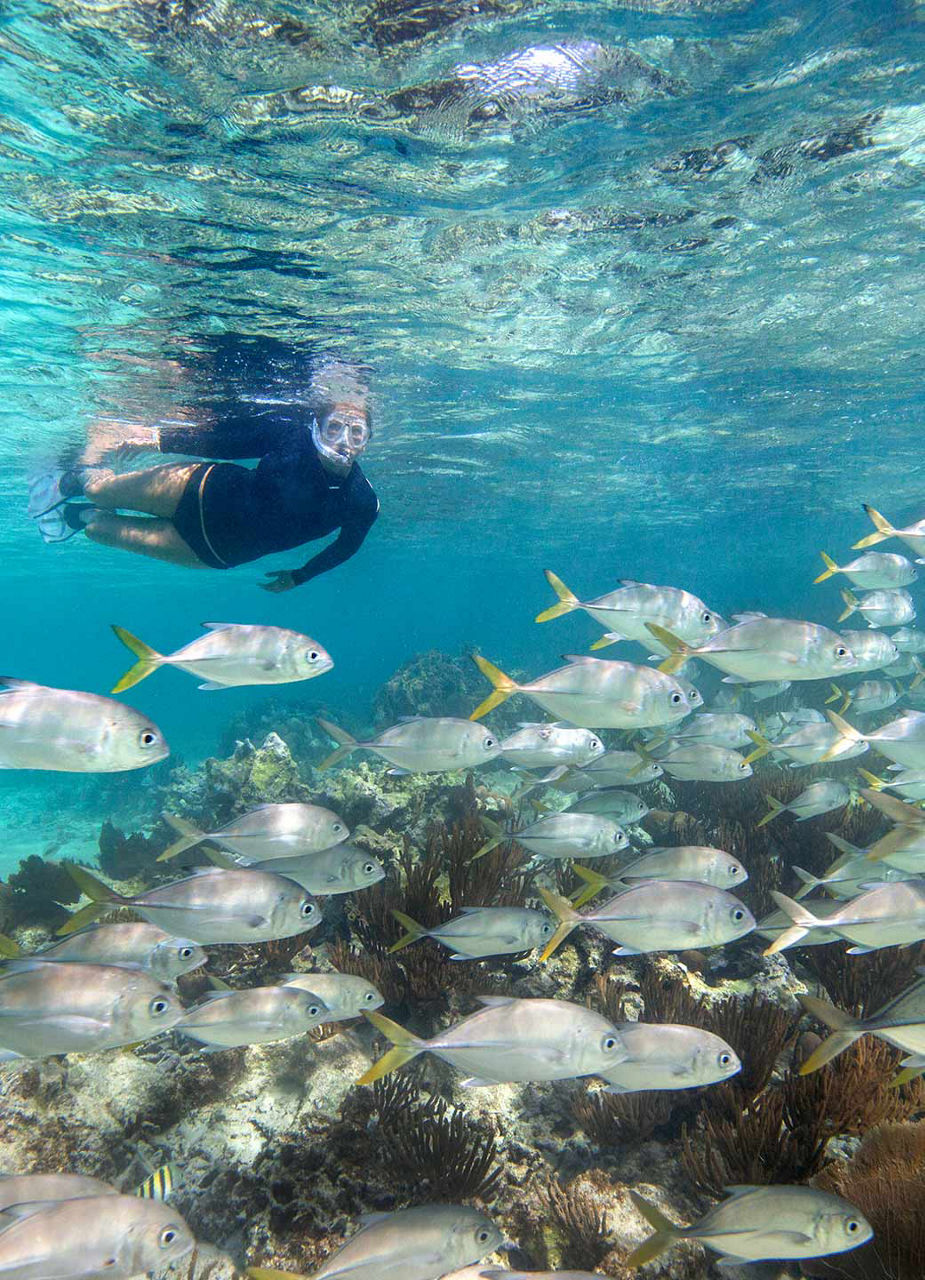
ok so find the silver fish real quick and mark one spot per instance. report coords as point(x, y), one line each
point(230, 654)
point(48, 1008)
point(482, 931)
point(879, 608)
point(626, 611)
point(30, 1188)
point(909, 784)
point(888, 915)
point(269, 831)
point(510, 1040)
point(613, 769)
point(809, 744)
point(908, 640)
point(257, 1015)
point(819, 797)
point(760, 1223)
point(543, 746)
point(901, 1023)
point(670, 1056)
point(907, 664)
point(657, 915)
point(91, 1237)
point(868, 696)
point(565, 835)
point(611, 802)
point(691, 862)
point(912, 535)
point(412, 1244)
point(212, 905)
point(766, 649)
point(776, 923)
point(128, 945)
point(702, 762)
point(764, 690)
point(342, 869)
point(850, 873)
point(344, 995)
point(595, 693)
point(873, 570)
point(872, 649)
point(716, 728)
point(69, 732)
point(421, 745)
point(902, 740)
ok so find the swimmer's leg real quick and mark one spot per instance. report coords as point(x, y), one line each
point(156, 491)
point(145, 536)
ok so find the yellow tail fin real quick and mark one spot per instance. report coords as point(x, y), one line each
point(567, 916)
point(608, 638)
point(406, 1047)
point(846, 1030)
point(666, 1233)
point(834, 695)
point(774, 808)
point(851, 604)
point(884, 530)
point(189, 834)
point(413, 931)
point(504, 686)
point(567, 601)
point(595, 882)
point(679, 651)
point(347, 743)
point(875, 783)
point(830, 569)
point(9, 949)
point(847, 733)
point(764, 748)
point(148, 660)
point(904, 1076)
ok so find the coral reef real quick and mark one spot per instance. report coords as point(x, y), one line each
point(430, 684)
point(124, 857)
point(37, 893)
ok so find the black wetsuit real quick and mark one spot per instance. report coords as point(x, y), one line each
point(230, 515)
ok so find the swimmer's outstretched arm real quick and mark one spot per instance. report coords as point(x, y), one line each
point(346, 544)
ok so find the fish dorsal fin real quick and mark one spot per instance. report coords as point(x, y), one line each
point(581, 659)
point(369, 1220)
point(221, 626)
point(495, 1002)
point(469, 911)
point(892, 807)
point(740, 1189)
point(10, 684)
point(631, 582)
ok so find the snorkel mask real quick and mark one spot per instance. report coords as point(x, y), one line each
point(340, 435)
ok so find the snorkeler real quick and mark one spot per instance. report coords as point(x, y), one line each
point(216, 514)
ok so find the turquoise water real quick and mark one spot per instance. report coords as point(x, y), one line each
point(673, 340)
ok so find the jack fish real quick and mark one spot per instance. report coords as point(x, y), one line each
point(69, 732)
point(482, 931)
point(212, 905)
point(820, 797)
point(510, 1040)
point(901, 1023)
point(879, 608)
point(765, 649)
point(230, 655)
point(48, 1008)
point(269, 831)
point(888, 915)
point(913, 535)
point(344, 995)
point(873, 570)
point(902, 740)
point(543, 746)
point(595, 693)
point(128, 945)
point(342, 869)
point(257, 1015)
point(691, 862)
point(564, 835)
point(423, 744)
point(670, 1056)
point(760, 1223)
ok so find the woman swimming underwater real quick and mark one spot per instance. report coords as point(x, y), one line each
point(217, 514)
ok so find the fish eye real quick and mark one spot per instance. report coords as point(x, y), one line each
point(369, 996)
point(158, 1006)
point(733, 870)
point(852, 1226)
point(609, 1044)
point(307, 910)
point(482, 1236)
point(147, 738)
point(312, 655)
point(725, 1059)
point(738, 915)
point(706, 616)
point(676, 698)
point(488, 742)
point(185, 953)
point(546, 930)
point(744, 765)
point(337, 827)
point(594, 744)
point(841, 651)
point(369, 868)
point(167, 1237)
point(314, 1010)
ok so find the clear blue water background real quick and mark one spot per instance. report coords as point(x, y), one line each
point(595, 348)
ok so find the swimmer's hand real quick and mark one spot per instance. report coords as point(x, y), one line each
point(279, 580)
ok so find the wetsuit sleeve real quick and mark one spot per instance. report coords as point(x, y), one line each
point(243, 432)
point(352, 534)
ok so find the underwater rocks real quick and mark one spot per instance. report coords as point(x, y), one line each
point(249, 777)
point(430, 684)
